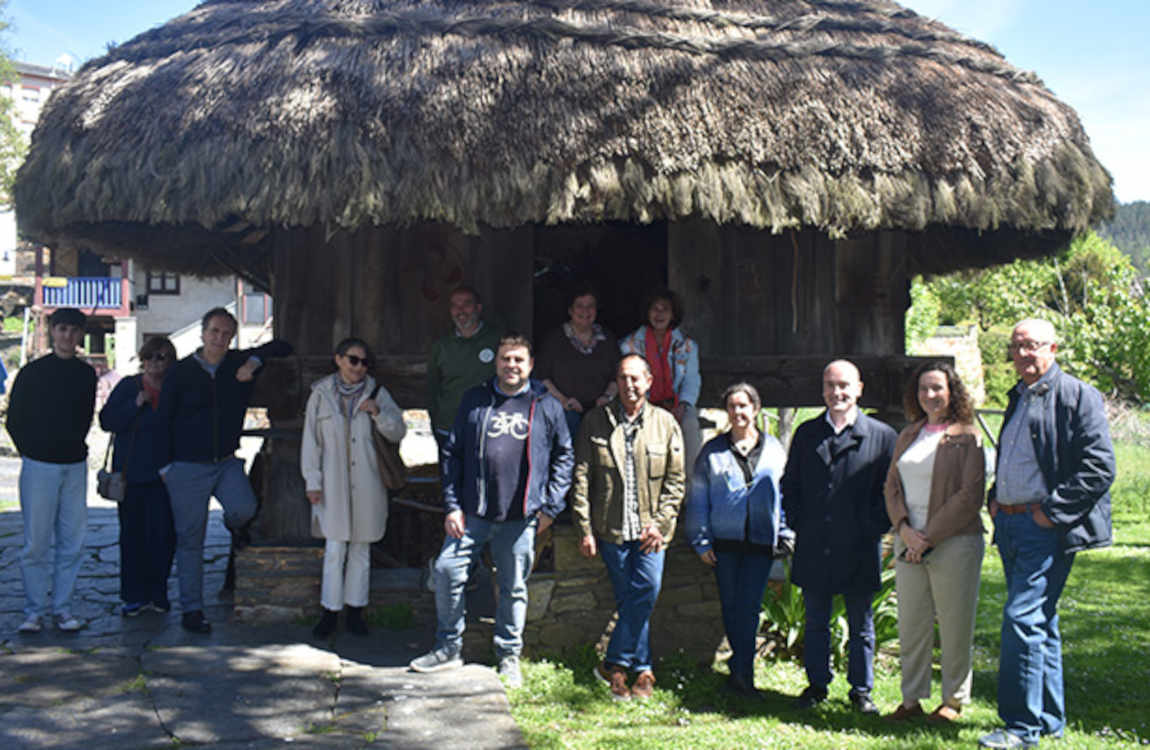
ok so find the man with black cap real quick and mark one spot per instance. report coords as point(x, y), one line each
point(49, 413)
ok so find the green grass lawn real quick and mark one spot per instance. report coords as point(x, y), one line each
point(1105, 619)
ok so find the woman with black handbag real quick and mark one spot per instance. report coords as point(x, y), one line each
point(147, 534)
point(344, 481)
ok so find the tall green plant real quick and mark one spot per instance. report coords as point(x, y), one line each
point(784, 617)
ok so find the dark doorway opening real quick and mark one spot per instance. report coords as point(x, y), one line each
point(622, 261)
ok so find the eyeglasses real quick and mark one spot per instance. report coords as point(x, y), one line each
point(1029, 347)
point(356, 361)
point(157, 356)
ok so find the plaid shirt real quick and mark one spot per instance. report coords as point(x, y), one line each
point(632, 527)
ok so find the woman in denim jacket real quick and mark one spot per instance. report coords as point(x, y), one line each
point(735, 522)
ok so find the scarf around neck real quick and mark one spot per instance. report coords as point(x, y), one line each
point(348, 394)
point(663, 385)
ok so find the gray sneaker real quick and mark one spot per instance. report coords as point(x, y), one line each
point(67, 623)
point(30, 625)
point(509, 671)
point(436, 660)
point(1000, 739)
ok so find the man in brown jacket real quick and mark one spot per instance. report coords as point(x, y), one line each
point(629, 485)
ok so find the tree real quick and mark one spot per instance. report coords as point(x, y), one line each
point(12, 145)
point(1090, 291)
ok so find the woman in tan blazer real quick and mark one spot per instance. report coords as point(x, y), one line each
point(934, 493)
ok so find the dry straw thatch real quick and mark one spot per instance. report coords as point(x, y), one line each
point(845, 115)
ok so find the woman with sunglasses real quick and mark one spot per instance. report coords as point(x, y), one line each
point(147, 533)
point(343, 480)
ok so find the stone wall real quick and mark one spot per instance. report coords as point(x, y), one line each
point(569, 607)
point(960, 342)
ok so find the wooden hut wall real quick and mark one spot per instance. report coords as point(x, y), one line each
point(390, 287)
point(775, 308)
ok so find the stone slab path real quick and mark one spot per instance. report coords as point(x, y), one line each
point(144, 682)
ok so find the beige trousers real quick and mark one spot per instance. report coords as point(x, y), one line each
point(943, 586)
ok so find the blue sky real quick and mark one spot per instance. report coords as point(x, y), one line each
point(1093, 55)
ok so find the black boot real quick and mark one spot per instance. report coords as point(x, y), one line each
point(355, 623)
point(326, 625)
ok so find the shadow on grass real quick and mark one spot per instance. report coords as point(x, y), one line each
point(1106, 645)
point(687, 691)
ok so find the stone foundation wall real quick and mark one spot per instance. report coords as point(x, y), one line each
point(571, 606)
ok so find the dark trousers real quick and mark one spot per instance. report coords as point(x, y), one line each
point(742, 579)
point(147, 543)
point(860, 644)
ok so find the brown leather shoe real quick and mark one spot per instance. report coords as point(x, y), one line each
point(644, 686)
point(615, 678)
point(902, 713)
point(944, 714)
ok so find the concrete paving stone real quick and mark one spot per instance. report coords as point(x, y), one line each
point(209, 695)
point(443, 710)
point(30, 676)
point(124, 721)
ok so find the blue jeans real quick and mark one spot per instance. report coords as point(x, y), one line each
point(636, 577)
point(742, 580)
point(1030, 694)
point(513, 552)
point(860, 643)
point(191, 486)
point(54, 503)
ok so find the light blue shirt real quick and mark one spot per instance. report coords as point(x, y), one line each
point(1018, 474)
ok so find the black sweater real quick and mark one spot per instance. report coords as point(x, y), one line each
point(205, 414)
point(50, 409)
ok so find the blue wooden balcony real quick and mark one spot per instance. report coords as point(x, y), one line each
point(86, 293)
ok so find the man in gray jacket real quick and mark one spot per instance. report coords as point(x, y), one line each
point(1050, 500)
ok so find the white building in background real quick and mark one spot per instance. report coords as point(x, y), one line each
point(171, 304)
point(28, 92)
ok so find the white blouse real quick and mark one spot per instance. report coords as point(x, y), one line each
point(915, 467)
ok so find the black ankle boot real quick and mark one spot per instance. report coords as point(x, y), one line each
point(355, 623)
point(326, 625)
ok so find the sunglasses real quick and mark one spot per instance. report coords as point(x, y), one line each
point(158, 357)
point(356, 361)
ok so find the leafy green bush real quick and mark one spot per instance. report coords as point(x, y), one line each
point(785, 616)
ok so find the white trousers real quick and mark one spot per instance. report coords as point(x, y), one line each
point(345, 583)
point(944, 585)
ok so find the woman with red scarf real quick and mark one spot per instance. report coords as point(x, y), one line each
point(147, 533)
point(674, 360)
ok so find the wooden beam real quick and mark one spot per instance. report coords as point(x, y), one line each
point(796, 380)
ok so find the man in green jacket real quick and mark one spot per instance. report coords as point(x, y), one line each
point(629, 485)
point(460, 360)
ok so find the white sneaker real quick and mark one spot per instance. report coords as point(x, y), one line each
point(68, 623)
point(510, 672)
point(31, 625)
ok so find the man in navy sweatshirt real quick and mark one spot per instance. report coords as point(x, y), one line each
point(204, 400)
point(506, 469)
point(49, 413)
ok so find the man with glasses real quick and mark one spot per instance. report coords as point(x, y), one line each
point(204, 400)
point(1050, 500)
point(49, 413)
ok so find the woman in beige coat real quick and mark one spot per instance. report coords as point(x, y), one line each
point(343, 480)
point(934, 492)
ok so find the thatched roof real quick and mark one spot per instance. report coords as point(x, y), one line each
point(845, 115)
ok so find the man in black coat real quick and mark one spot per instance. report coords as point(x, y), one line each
point(204, 400)
point(833, 498)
